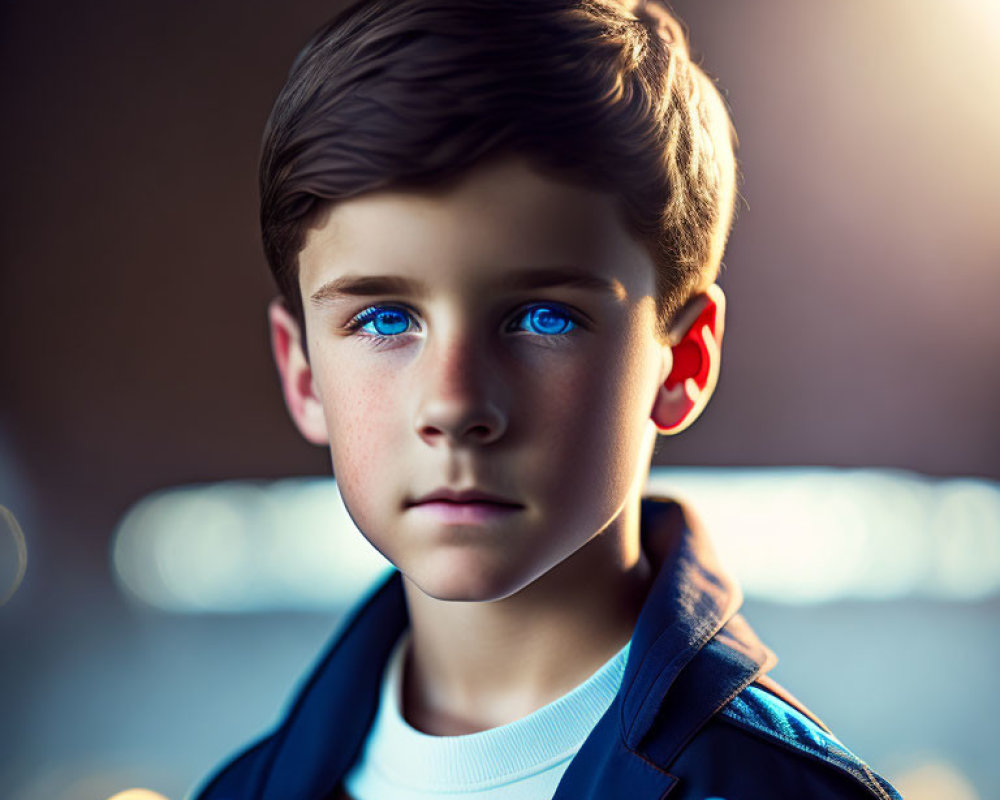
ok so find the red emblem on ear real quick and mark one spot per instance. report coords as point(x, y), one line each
point(689, 352)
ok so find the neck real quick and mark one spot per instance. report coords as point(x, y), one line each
point(477, 665)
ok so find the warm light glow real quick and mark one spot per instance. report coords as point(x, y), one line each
point(137, 794)
point(813, 534)
point(789, 535)
point(935, 780)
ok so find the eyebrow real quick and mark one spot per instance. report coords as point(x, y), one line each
point(373, 285)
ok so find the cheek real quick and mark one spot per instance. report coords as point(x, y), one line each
point(592, 418)
point(605, 398)
point(362, 418)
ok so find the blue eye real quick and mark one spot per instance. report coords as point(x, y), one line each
point(383, 321)
point(546, 320)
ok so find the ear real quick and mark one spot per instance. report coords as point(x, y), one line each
point(694, 341)
point(303, 401)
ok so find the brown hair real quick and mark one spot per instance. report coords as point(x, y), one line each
point(412, 93)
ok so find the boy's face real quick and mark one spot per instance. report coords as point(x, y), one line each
point(506, 344)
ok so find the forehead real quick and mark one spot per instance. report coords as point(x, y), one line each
point(497, 222)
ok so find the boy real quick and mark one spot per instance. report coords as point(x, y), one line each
point(496, 227)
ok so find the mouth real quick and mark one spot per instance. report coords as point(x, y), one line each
point(471, 513)
point(463, 507)
point(464, 497)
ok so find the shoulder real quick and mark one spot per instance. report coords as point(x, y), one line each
point(773, 748)
point(331, 711)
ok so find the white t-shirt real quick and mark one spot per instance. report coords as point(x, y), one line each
point(523, 760)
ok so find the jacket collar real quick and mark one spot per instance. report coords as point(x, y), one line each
point(692, 601)
point(687, 632)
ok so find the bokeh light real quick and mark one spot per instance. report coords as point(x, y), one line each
point(13, 555)
point(818, 534)
point(236, 547)
point(789, 534)
point(137, 794)
point(935, 779)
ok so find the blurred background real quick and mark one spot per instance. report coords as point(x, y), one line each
point(158, 629)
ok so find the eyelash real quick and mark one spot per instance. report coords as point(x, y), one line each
point(369, 314)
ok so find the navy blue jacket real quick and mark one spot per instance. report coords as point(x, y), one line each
point(695, 716)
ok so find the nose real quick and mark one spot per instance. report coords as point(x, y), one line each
point(460, 397)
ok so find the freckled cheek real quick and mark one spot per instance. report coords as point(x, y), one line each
point(363, 418)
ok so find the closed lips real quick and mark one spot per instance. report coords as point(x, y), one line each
point(470, 502)
point(464, 498)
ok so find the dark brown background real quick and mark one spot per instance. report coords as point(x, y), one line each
point(862, 275)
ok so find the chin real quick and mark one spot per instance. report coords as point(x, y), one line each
point(453, 580)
